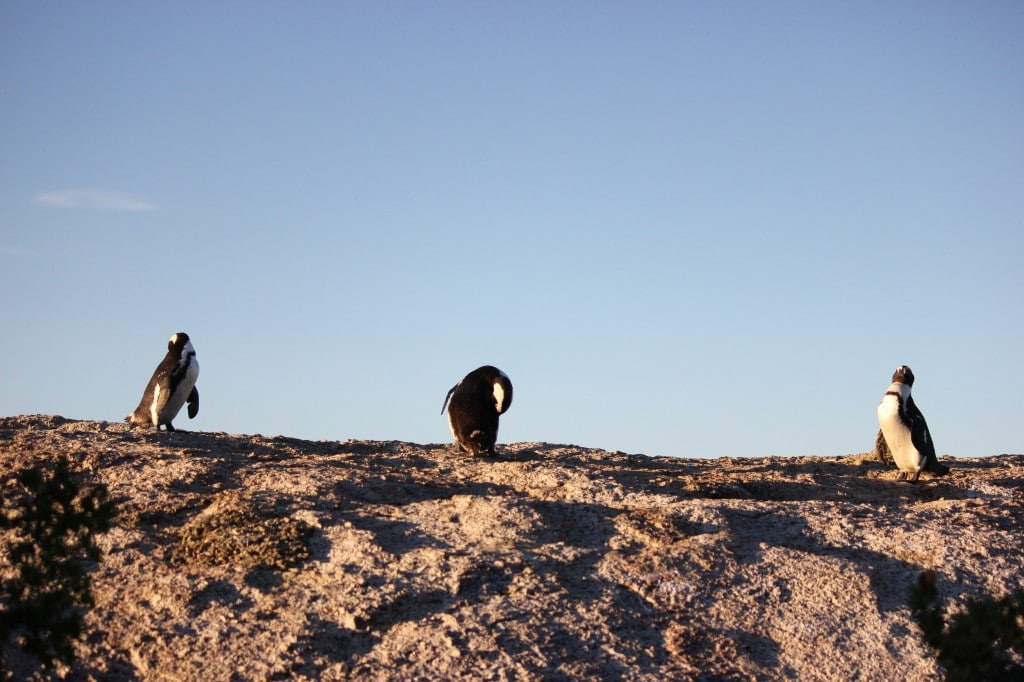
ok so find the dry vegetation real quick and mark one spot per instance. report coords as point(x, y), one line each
point(255, 558)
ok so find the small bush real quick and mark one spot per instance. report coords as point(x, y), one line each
point(241, 533)
point(975, 644)
point(54, 523)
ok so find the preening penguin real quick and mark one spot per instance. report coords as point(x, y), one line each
point(474, 405)
point(905, 431)
point(172, 384)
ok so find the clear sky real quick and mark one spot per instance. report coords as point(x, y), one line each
point(681, 228)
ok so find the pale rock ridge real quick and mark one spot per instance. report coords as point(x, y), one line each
point(550, 561)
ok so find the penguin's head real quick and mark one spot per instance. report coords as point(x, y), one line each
point(502, 392)
point(180, 346)
point(903, 375)
point(177, 341)
point(501, 386)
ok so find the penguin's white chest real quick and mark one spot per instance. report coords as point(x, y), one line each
point(897, 436)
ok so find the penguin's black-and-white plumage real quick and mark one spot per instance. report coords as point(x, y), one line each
point(171, 386)
point(474, 405)
point(905, 431)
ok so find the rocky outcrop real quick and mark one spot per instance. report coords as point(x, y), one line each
point(255, 558)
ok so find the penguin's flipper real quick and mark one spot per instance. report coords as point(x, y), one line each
point(157, 399)
point(921, 437)
point(448, 397)
point(931, 460)
point(193, 403)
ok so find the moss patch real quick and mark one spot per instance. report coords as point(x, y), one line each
point(239, 532)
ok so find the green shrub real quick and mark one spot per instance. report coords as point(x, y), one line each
point(975, 644)
point(53, 524)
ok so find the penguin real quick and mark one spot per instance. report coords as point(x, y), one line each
point(172, 384)
point(881, 450)
point(474, 405)
point(905, 431)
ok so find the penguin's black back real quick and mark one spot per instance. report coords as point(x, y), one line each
point(474, 407)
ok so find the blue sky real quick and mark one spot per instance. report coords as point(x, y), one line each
point(682, 228)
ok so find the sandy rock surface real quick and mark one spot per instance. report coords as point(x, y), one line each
point(253, 558)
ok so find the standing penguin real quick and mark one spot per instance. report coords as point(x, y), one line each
point(474, 405)
point(172, 384)
point(905, 431)
point(881, 450)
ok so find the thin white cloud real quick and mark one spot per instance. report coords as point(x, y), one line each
point(99, 200)
point(14, 251)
